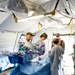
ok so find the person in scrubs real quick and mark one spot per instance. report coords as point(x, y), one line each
point(27, 41)
point(55, 55)
point(61, 42)
point(40, 44)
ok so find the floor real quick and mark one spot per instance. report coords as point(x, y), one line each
point(7, 72)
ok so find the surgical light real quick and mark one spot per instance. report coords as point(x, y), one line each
point(31, 13)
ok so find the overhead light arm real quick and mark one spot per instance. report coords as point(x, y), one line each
point(2, 11)
point(53, 12)
point(15, 18)
point(69, 22)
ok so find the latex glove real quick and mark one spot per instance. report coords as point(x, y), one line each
point(35, 59)
point(41, 56)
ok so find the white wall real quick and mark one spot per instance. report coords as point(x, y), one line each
point(7, 41)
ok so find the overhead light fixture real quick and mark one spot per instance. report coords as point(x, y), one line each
point(40, 16)
point(31, 18)
point(31, 13)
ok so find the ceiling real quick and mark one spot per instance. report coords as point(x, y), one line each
point(39, 6)
point(49, 12)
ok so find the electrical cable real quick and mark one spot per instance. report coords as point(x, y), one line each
point(65, 15)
